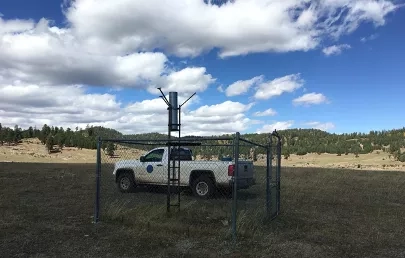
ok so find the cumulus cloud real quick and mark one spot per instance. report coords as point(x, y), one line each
point(235, 27)
point(335, 49)
point(15, 26)
point(242, 86)
point(267, 112)
point(278, 86)
point(280, 125)
point(310, 99)
point(29, 105)
point(321, 126)
point(223, 109)
point(71, 106)
point(45, 55)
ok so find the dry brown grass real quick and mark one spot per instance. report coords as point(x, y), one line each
point(47, 212)
point(377, 160)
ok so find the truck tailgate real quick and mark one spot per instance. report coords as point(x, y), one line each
point(245, 169)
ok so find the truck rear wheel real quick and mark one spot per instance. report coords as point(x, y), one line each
point(203, 187)
point(126, 182)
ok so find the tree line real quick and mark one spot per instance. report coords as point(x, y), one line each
point(294, 141)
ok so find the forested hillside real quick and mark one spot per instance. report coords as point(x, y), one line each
point(295, 141)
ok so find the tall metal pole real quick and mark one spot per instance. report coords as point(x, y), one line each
point(98, 177)
point(235, 185)
point(172, 104)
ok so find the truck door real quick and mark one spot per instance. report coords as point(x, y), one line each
point(152, 168)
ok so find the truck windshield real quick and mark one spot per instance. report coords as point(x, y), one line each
point(182, 154)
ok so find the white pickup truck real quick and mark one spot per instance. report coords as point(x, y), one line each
point(203, 177)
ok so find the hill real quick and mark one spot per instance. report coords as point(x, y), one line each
point(295, 141)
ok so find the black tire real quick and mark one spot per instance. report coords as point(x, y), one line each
point(126, 182)
point(203, 187)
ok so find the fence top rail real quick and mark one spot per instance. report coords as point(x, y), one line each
point(253, 143)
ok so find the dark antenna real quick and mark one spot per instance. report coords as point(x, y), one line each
point(163, 97)
point(188, 99)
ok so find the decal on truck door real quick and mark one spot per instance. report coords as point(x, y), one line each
point(149, 169)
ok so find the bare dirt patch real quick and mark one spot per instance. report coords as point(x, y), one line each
point(31, 150)
point(377, 160)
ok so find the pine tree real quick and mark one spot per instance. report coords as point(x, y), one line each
point(110, 149)
point(49, 143)
point(30, 132)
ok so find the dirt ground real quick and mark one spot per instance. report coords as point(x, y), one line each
point(46, 210)
point(31, 150)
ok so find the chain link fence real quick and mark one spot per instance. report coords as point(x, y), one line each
point(194, 185)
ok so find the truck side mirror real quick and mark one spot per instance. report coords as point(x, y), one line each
point(142, 159)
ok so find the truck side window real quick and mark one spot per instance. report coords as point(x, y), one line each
point(155, 156)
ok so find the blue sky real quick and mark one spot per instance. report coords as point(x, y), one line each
point(353, 69)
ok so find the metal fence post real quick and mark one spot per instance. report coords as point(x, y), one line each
point(278, 174)
point(235, 180)
point(268, 178)
point(98, 177)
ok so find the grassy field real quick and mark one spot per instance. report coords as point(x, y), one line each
point(47, 209)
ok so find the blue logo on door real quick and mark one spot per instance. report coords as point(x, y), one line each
point(149, 168)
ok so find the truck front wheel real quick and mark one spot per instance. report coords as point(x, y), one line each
point(203, 187)
point(126, 182)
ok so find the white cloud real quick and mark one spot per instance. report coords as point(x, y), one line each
point(15, 26)
point(371, 37)
point(310, 99)
point(185, 82)
point(33, 105)
point(224, 109)
point(242, 86)
point(280, 125)
point(45, 55)
point(335, 49)
point(220, 88)
point(267, 112)
point(321, 126)
point(278, 86)
point(235, 28)
point(29, 105)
